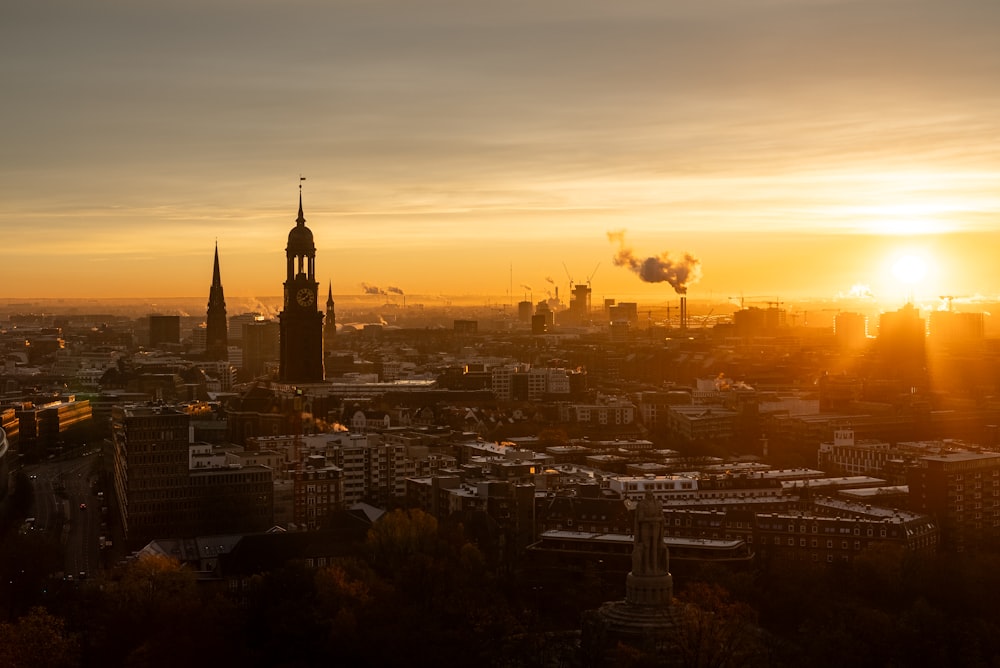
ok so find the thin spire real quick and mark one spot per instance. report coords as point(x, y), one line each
point(301, 220)
point(216, 275)
point(329, 295)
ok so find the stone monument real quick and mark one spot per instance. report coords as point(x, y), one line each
point(648, 618)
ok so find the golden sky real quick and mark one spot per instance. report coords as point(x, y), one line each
point(794, 147)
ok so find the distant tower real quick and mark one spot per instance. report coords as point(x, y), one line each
point(300, 322)
point(330, 328)
point(216, 330)
point(579, 302)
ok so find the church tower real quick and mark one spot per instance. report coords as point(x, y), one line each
point(216, 328)
point(300, 322)
point(330, 327)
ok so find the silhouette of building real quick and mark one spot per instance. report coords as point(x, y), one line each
point(216, 329)
point(164, 330)
point(901, 345)
point(330, 326)
point(150, 466)
point(524, 311)
point(851, 330)
point(164, 487)
point(301, 323)
point(579, 304)
point(956, 329)
point(261, 348)
point(961, 490)
point(466, 326)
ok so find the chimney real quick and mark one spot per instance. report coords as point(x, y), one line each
point(684, 311)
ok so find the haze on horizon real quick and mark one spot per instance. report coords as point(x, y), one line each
point(793, 147)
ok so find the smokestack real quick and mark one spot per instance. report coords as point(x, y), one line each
point(684, 312)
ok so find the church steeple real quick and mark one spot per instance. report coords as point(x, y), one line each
point(301, 323)
point(330, 326)
point(216, 274)
point(216, 325)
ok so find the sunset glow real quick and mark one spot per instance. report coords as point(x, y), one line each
point(468, 148)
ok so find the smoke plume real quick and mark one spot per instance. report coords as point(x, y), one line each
point(371, 289)
point(657, 269)
point(395, 291)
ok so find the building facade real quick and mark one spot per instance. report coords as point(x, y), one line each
point(961, 490)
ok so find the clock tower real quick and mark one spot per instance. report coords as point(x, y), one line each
point(300, 321)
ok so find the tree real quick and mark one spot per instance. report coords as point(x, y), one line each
point(401, 535)
point(715, 631)
point(38, 639)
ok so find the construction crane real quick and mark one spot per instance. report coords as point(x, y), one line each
point(764, 299)
point(592, 273)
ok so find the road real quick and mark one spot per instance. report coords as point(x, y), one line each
point(65, 502)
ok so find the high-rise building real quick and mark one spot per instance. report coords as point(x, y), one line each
point(216, 331)
point(579, 303)
point(261, 348)
point(961, 490)
point(150, 467)
point(164, 330)
point(851, 330)
point(167, 487)
point(301, 323)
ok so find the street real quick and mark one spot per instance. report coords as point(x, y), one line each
point(66, 504)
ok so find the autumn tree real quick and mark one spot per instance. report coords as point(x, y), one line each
point(716, 631)
point(400, 536)
point(38, 639)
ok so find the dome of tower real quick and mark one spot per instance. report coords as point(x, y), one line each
point(300, 241)
point(300, 238)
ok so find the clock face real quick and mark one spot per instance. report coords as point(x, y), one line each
point(304, 297)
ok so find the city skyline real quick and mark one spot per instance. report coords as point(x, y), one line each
point(790, 148)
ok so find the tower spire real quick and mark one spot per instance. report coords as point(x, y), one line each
point(216, 275)
point(330, 326)
point(301, 220)
point(216, 326)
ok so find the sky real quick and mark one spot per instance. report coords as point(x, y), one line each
point(454, 147)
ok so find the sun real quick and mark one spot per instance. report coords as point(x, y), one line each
point(910, 268)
